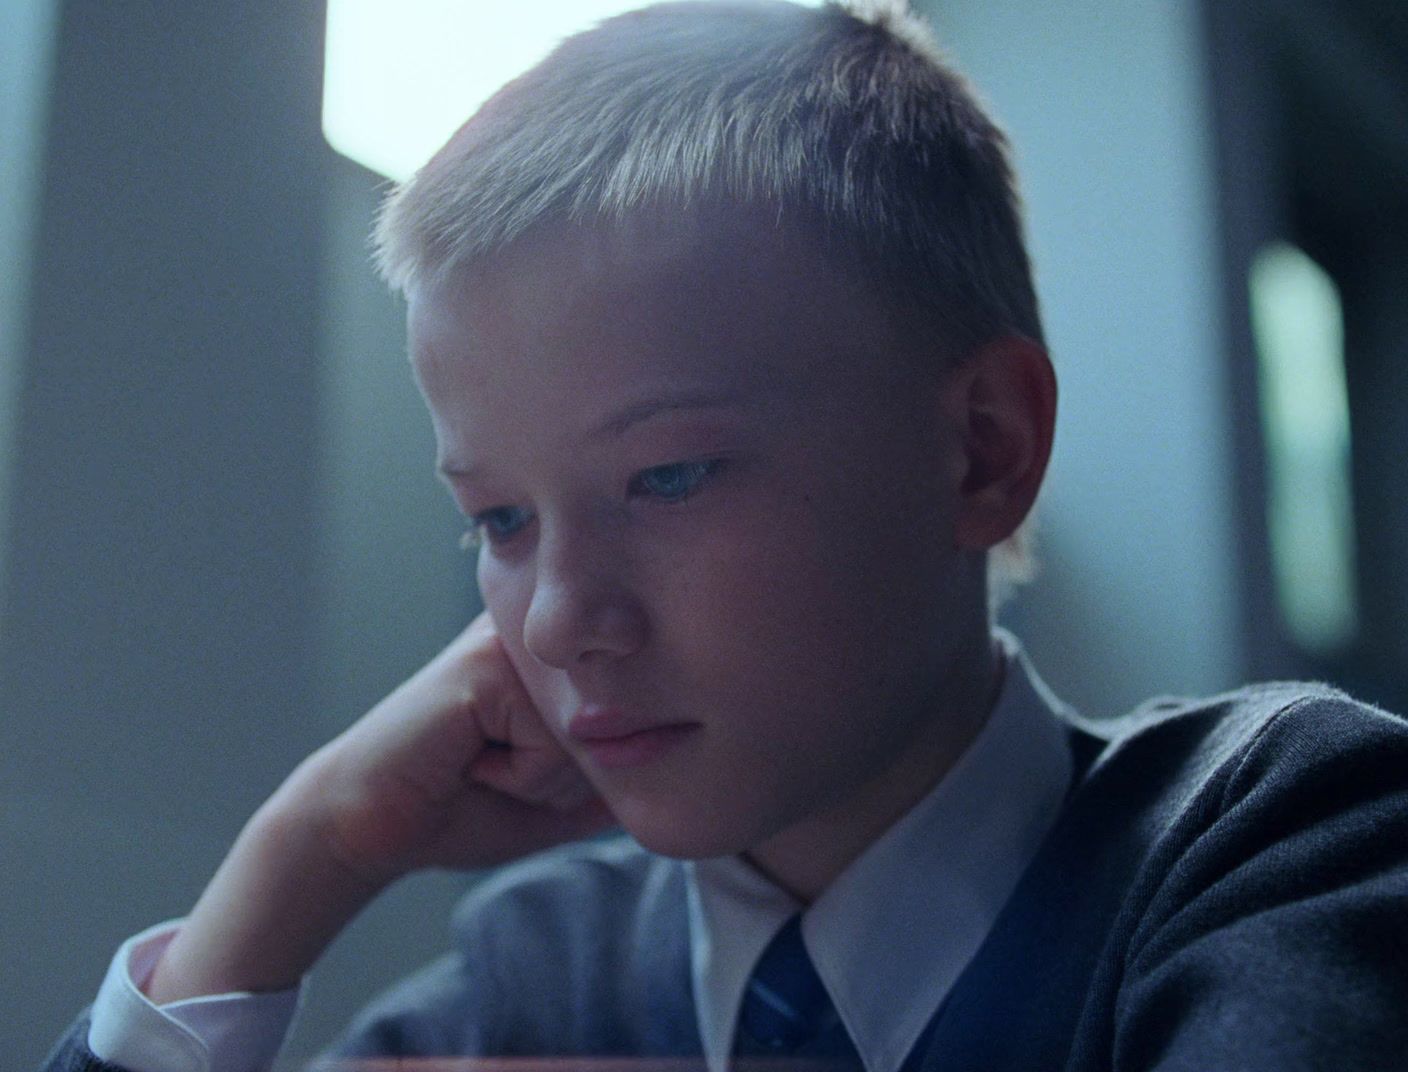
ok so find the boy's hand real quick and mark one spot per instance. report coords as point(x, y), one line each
point(453, 769)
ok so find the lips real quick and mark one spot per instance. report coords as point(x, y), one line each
point(614, 739)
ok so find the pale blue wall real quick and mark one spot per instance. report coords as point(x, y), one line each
point(1106, 106)
point(158, 632)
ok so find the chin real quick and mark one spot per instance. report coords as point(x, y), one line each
point(692, 837)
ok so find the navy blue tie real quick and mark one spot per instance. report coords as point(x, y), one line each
point(786, 1010)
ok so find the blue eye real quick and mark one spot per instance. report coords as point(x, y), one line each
point(494, 526)
point(676, 482)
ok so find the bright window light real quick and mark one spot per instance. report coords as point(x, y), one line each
point(1299, 332)
point(400, 76)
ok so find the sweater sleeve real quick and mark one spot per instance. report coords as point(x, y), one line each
point(1278, 936)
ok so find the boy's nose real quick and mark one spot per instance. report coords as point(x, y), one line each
point(580, 609)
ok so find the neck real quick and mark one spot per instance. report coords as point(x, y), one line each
point(807, 856)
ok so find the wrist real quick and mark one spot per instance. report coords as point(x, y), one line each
point(277, 901)
point(333, 808)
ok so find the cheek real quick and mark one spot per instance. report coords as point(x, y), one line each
point(496, 589)
point(506, 593)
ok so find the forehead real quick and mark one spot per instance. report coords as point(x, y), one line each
point(704, 294)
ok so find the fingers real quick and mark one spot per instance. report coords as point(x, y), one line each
point(505, 711)
point(458, 768)
point(522, 757)
point(546, 775)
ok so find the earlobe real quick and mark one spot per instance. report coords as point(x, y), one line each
point(1005, 398)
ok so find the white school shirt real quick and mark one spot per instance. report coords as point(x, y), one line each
point(920, 900)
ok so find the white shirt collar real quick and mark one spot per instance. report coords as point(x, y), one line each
point(891, 935)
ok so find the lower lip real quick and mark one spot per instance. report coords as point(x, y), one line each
point(636, 749)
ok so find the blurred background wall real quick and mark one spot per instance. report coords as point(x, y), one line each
point(1106, 105)
point(221, 540)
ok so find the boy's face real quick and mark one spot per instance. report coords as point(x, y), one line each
point(717, 507)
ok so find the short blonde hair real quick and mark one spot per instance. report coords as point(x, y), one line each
point(844, 118)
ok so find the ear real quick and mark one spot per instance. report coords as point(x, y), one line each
point(1003, 400)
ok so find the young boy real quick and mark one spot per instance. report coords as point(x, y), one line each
point(727, 331)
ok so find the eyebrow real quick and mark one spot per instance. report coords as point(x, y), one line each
point(619, 423)
point(634, 414)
